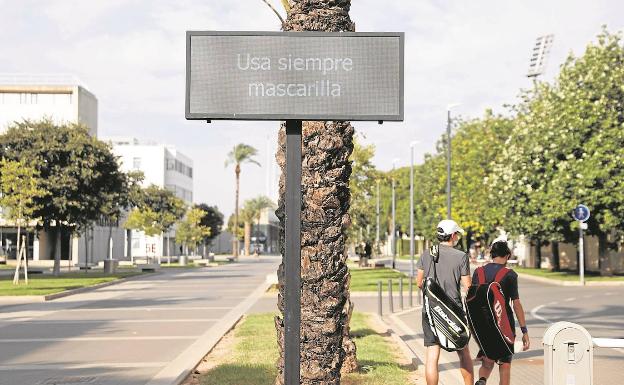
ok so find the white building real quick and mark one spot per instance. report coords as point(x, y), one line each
point(63, 99)
point(165, 167)
point(58, 97)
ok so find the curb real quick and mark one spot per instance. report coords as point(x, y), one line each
point(181, 367)
point(446, 377)
point(26, 299)
point(417, 362)
point(568, 283)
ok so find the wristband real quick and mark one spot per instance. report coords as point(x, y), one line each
point(524, 329)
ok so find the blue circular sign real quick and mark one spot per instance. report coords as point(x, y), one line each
point(581, 213)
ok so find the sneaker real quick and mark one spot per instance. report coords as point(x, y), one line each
point(480, 382)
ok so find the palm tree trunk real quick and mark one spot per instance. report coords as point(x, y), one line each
point(247, 237)
point(325, 304)
point(326, 348)
point(235, 235)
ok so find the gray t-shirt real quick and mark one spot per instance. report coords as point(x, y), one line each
point(451, 266)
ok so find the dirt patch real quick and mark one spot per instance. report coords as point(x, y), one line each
point(217, 356)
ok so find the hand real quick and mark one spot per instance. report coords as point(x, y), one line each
point(526, 342)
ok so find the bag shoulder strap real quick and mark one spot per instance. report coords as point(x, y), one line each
point(481, 275)
point(501, 274)
point(434, 253)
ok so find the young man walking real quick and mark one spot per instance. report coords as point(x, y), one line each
point(501, 253)
point(452, 268)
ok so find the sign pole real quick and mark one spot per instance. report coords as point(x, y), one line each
point(292, 260)
point(581, 254)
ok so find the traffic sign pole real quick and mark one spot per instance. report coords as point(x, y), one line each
point(581, 253)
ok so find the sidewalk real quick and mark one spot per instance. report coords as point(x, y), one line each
point(527, 368)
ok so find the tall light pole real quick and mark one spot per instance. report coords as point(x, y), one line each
point(412, 145)
point(394, 162)
point(377, 235)
point(448, 159)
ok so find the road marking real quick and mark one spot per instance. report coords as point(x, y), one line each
point(536, 316)
point(77, 339)
point(65, 366)
point(570, 299)
point(150, 308)
point(60, 321)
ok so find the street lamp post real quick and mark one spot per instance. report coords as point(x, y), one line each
point(448, 159)
point(412, 145)
point(393, 217)
point(377, 235)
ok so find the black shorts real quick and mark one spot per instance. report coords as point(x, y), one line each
point(504, 360)
point(430, 338)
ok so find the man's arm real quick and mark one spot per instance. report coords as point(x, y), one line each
point(519, 310)
point(466, 282)
point(420, 277)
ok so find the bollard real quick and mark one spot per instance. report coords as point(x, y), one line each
point(379, 304)
point(390, 304)
point(401, 292)
point(411, 292)
point(568, 355)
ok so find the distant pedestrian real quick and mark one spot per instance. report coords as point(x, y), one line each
point(452, 268)
point(500, 253)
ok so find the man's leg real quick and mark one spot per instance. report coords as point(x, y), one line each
point(465, 366)
point(431, 366)
point(504, 371)
point(486, 368)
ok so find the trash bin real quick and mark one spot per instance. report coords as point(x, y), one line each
point(182, 260)
point(568, 355)
point(110, 265)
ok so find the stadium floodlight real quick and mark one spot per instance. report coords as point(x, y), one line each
point(539, 55)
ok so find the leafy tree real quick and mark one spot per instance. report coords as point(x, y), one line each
point(190, 231)
point(157, 211)
point(213, 219)
point(19, 188)
point(363, 186)
point(241, 153)
point(77, 170)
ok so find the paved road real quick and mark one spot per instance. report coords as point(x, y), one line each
point(125, 334)
point(599, 309)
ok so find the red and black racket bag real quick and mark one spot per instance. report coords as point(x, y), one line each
point(487, 316)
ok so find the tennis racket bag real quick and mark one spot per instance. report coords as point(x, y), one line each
point(487, 316)
point(446, 318)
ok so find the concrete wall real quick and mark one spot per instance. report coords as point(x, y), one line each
point(98, 244)
point(86, 111)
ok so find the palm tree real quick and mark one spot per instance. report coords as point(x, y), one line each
point(259, 204)
point(252, 210)
point(326, 347)
point(241, 153)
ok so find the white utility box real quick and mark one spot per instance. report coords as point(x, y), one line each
point(568, 355)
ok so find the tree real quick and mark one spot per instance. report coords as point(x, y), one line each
point(213, 219)
point(157, 212)
point(241, 153)
point(77, 170)
point(190, 231)
point(247, 215)
point(19, 188)
point(363, 187)
point(259, 204)
point(326, 347)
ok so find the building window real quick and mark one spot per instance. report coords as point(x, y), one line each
point(136, 163)
point(170, 164)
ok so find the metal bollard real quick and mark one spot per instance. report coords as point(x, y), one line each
point(391, 305)
point(411, 292)
point(379, 304)
point(401, 293)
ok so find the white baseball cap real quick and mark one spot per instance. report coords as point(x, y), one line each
point(449, 227)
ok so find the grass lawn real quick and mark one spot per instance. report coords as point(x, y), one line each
point(407, 257)
point(47, 284)
point(565, 275)
point(366, 279)
point(252, 361)
point(189, 265)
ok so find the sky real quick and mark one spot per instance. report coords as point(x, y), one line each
point(131, 55)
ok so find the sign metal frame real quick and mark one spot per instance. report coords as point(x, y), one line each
point(310, 117)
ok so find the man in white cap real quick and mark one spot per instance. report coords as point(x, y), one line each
point(452, 268)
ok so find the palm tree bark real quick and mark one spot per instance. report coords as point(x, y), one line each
point(326, 348)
